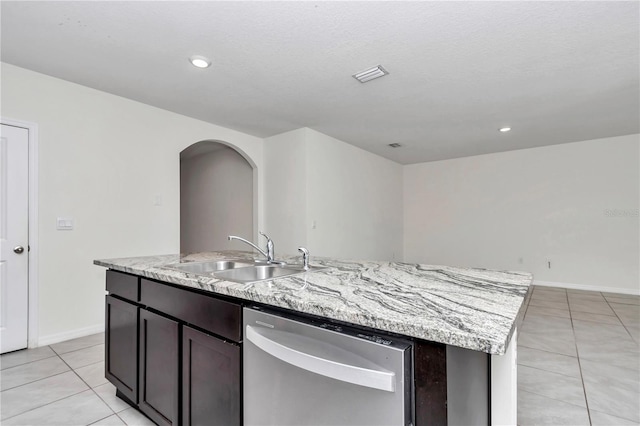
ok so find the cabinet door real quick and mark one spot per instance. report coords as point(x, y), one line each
point(121, 346)
point(159, 366)
point(210, 380)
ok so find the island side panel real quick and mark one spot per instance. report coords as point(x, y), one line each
point(430, 376)
point(504, 385)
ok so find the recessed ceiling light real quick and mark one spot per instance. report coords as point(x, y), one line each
point(370, 74)
point(200, 61)
point(505, 129)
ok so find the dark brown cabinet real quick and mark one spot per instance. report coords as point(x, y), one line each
point(121, 346)
point(174, 353)
point(210, 380)
point(159, 366)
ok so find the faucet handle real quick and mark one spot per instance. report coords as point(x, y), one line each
point(305, 258)
point(270, 250)
point(264, 235)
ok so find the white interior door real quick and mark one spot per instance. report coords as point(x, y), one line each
point(14, 237)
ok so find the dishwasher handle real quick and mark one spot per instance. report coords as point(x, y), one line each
point(358, 375)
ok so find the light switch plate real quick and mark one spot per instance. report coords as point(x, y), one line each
point(64, 224)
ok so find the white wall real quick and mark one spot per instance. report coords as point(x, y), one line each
point(540, 204)
point(286, 191)
point(354, 199)
point(352, 196)
point(103, 160)
point(216, 200)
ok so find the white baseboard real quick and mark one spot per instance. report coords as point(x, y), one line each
point(603, 289)
point(67, 335)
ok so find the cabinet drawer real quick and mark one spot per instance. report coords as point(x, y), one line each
point(211, 314)
point(123, 285)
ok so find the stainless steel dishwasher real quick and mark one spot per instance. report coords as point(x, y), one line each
point(317, 373)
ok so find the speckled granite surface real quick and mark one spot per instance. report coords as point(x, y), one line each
point(470, 308)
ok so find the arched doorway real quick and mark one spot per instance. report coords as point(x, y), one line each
point(216, 197)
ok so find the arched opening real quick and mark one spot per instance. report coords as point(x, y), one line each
point(216, 197)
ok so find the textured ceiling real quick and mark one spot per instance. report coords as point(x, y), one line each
point(554, 71)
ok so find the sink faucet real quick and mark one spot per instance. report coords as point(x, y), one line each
point(305, 258)
point(267, 254)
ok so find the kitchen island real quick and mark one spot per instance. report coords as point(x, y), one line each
point(458, 317)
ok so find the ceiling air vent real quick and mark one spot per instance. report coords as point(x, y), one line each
point(395, 145)
point(370, 74)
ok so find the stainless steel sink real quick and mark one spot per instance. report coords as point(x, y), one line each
point(261, 273)
point(208, 268)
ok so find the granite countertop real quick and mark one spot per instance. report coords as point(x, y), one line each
point(474, 309)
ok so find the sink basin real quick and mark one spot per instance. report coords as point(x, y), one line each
point(260, 273)
point(207, 268)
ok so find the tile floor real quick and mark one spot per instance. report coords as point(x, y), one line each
point(578, 364)
point(579, 359)
point(61, 384)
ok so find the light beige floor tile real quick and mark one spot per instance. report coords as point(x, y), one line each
point(634, 331)
point(628, 314)
point(27, 373)
point(607, 294)
point(537, 410)
point(543, 289)
point(92, 374)
point(547, 324)
point(107, 393)
point(82, 357)
point(133, 417)
point(555, 363)
point(602, 419)
point(587, 297)
point(538, 310)
point(24, 356)
point(590, 306)
point(549, 295)
point(588, 331)
point(546, 303)
point(36, 394)
point(586, 292)
point(612, 390)
point(586, 316)
point(621, 353)
point(112, 420)
point(552, 385)
point(79, 343)
point(79, 409)
point(624, 300)
point(560, 343)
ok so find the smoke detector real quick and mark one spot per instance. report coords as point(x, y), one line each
point(370, 74)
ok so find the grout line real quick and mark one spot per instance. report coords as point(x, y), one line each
point(76, 350)
point(28, 362)
point(620, 319)
point(584, 388)
point(549, 352)
point(36, 380)
point(121, 419)
point(548, 371)
point(105, 402)
point(555, 399)
point(44, 405)
point(90, 387)
point(99, 420)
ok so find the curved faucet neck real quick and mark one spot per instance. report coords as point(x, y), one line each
point(262, 252)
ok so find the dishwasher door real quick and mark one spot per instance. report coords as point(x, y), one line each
point(297, 373)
